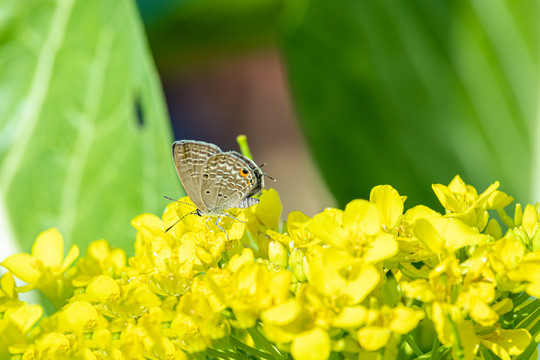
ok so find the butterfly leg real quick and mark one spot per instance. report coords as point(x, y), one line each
point(222, 229)
point(232, 217)
point(208, 226)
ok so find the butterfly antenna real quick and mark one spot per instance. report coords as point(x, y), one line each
point(265, 174)
point(181, 202)
point(177, 221)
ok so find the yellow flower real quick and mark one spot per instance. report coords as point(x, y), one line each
point(248, 288)
point(438, 234)
point(80, 316)
point(196, 324)
point(299, 320)
point(54, 346)
point(8, 294)
point(311, 345)
point(380, 324)
point(45, 268)
point(506, 343)
point(359, 233)
point(463, 202)
point(261, 219)
point(389, 203)
point(14, 327)
point(528, 271)
point(100, 259)
point(343, 279)
point(121, 300)
point(297, 230)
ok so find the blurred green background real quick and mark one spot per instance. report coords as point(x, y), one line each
point(400, 92)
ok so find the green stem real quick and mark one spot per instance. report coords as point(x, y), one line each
point(250, 350)
point(430, 355)
point(259, 338)
point(224, 354)
point(413, 345)
point(244, 147)
point(529, 320)
point(519, 298)
point(460, 354)
point(526, 310)
point(435, 348)
point(486, 354)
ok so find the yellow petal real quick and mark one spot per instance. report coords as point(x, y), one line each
point(506, 343)
point(383, 247)
point(312, 345)
point(269, 209)
point(503, 306)
point(405, 319)
point(363, 280)
point(326, 228)
point(104, 289)
point(24, 266)
point(457, 185)
point(373, 338)
point(72, 255)
point(389, 204)
point(54, 343)
point(238, 260)
point(494, 229)
point(24, 317)
point(49, 248)
point(446, 198)
point(296, 225)
point(350, 317)
point(498, 200)
point(362, 216)
point(148, 221)
point(282, 314)
point(530, 220)
point(7, 285)
point(457, 234)
point(80, 316)
point(428, 236)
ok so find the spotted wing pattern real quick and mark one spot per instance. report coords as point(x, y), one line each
point(189, 158)
point(226, 182)
point(257, 172)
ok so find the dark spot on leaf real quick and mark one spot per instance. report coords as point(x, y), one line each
point(139, 113)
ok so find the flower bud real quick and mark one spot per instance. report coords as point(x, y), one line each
point(277, 254)
point(296, 263)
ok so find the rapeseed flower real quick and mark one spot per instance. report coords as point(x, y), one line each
point(371, 281)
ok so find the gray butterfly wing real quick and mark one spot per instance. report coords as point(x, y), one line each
point(257, 172)
point(226, 182)
point(189, 158)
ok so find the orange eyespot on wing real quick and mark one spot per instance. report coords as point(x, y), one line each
point(244, 173)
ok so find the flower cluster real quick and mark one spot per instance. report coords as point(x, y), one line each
point(369, 281)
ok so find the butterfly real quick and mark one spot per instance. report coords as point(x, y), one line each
point(216, 181)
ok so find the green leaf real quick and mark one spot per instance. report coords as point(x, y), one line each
point(84, 134)
point(411, 93)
